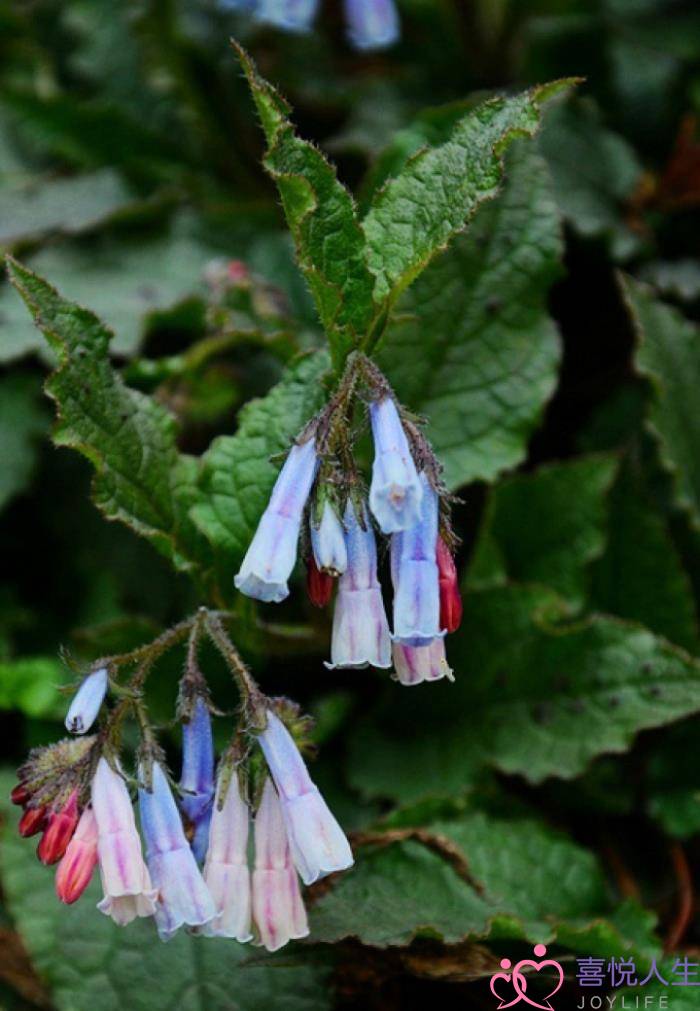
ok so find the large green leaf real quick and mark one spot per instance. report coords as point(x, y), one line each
point(668, 353)
point(546, 527)
point(237, 470)
point(141, 479)
point(417, 212)
point(89, 962)
point(530, 697)
point(322, 219)
point(472, 345)
point(409, 888)
point(22, 421)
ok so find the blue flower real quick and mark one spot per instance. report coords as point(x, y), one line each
point(197, 779)
point(87, 701)
point(414, 573)
point(372, 24)
point(272, 553)
point(395, 492)
point(290, 15)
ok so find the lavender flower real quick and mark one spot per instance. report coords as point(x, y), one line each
point(183, 897)
point(125, 879)
point(395, 493)
point(226, 869)
point(318, 844)
point(197, 779)
point(360, 628)
point(87, 701)
point(290, 15)
point(278, 909)
point(272, 553)
point(414, 573)
point(372, 24)
point(328, 542)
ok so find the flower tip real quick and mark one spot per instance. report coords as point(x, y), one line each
point(319, 585)
point(32, 821)
point(20, 795)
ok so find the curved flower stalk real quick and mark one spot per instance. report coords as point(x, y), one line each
point(226, 871)
point(183, 897)
point(318, 844)
point(270, 558)
point(360, 627)
point(278, 909)
point(87, 702)
point(125, 878)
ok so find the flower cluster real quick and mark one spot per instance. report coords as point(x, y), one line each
point(371, 24)
point(192, 869)
point(318, 489)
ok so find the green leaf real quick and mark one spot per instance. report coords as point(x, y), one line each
point(546, 527)
point(472, 345)
point(530, 697)
point(416, 213)
point(668, 353)
point(39, 205)
point(22, 422)
point(322, 219)
point(88, 961)
point(640, 576)
point(29, 683)
point(405, 889)
point(595, 173)
point(237, 471)
point(672, 785)
point(141, 479)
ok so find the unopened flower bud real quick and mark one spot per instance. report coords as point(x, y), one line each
point(328, 542)
point(395, 492)
point(450, 597)
point(32, 821)
point(87, 701)
point(75, 870)
point(59, 831)
point(20, 795)
point(319, 585)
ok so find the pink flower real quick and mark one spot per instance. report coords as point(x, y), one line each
point(125, 878)
point(75, 870)
point(415, 664)
point(226, 868)
point(278, 909)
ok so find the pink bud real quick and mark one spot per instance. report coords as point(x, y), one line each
point(59, 831)
point(75, 869)
point(32, 821)
point(450, 598)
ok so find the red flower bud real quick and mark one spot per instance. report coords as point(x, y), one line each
point(75, 869)
point(32, 821)
point(59, 831)
point(450, 598)
point(319, 585)
point(20, 795)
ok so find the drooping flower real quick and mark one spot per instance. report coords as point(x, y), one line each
point(360, 627)
point(87, 701)
point(414, 664)
point(75, 870)
point(319, 585)
point(395, 492)
point(414, 573)
point(328, 542)
point(291, 15)
point(270, 558)
point(372, 24)
point(183, 897)
point(59, 831)
point(450, 597)
point(226, 868)
point(197, 779)
point(125, 878)
point(317, 842)
point(278, 909)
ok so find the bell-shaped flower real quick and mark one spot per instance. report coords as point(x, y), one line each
point(183, 897)
point(272, 553)
point(128, 891)
point(328, 542)
point(59, 831)
point(87, 701)
point(395, 492)
point(291, 15)
point(278, 909)
point(414, 573)
point(414, 664)
point(360, 627)
point(226, 868)
point(197, 778)
point(317, 842)
point(372, 24)
point(75, 870)
point(450, 597)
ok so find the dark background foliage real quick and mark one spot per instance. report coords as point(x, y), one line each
point(555, 350)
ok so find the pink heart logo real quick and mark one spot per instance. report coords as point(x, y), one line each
point(518, 981)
